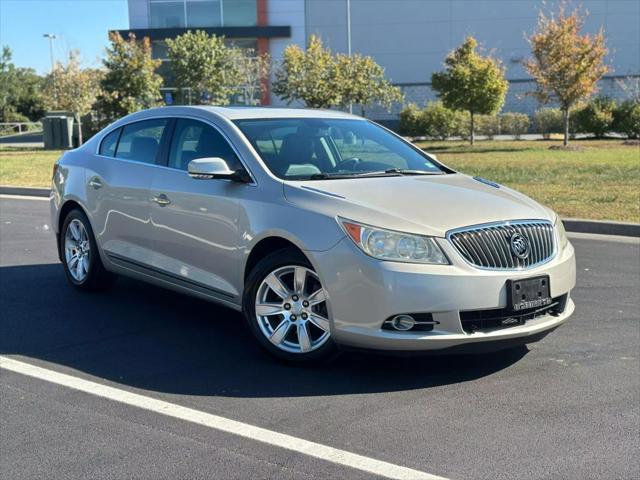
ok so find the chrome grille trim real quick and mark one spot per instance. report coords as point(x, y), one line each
point(488, 247)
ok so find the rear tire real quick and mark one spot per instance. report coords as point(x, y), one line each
point(285, 307)
point(80, 257)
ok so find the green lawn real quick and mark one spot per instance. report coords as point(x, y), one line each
point(600, 181)
point(26, 167)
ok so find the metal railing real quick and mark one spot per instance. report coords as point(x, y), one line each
point(12, 128)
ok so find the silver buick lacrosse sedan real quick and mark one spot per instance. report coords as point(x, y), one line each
point(324, 229)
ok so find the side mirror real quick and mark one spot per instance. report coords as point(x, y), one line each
point(215, 168)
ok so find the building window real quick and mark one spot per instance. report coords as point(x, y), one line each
point(203, 13)
point(160, 50)
point(167, 14)
point(240, 13)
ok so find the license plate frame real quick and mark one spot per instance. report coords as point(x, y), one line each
point(528, 293)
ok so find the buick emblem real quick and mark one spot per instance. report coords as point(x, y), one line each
point(520, 246)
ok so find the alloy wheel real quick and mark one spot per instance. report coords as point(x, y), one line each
point(291, 309)
point(77, 250)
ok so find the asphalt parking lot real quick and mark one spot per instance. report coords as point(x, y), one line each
point(567, 407)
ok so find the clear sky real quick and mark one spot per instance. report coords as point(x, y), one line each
point(79, 24)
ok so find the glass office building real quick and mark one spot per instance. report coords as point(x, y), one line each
point(409, 38)
point(202, 13)
point(243, 23)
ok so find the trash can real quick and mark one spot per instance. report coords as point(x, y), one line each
point(57, 130)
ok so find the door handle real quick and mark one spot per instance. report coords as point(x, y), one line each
point(95, 183)
point(161, 200)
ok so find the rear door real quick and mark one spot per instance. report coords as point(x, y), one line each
point(118, 183)
point(195, 222)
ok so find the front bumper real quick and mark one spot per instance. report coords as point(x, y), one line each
point(364, 292)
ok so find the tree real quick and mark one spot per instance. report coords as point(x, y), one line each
point(566, 65)
point(471, 82)
point(30, 100)
point(360, 80)
point(8, 85)
point(204, 65)
point(131, 81)
point(308, 75)
point(20, 91)
point(254, 75)
point(74, 89)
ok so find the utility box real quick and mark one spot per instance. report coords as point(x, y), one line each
point(57, 130)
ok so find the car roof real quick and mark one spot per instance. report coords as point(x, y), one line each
point(243, 112)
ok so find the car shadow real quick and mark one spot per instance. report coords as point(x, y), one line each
point(158, 340)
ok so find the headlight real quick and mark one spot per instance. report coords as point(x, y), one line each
point(394, 246)
point(562, 234)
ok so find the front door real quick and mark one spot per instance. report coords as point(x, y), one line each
point(195, 222)
point(118, 182)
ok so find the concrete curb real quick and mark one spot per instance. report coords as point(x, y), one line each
point(571, 224)
point(601, 227)
point(25, 191)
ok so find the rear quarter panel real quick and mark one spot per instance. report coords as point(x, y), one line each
point(68, 184)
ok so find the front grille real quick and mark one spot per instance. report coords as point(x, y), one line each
point(490, 246)
point(487, 320)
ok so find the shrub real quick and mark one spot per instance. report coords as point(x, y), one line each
point(514, 124)
point(547, 121)
point(626, 118)
point(462, 125)
point(15, 117)
point(11, 116)
point(435, 120)
point(487, 125)
point(440, 122)
point(596, 117)
point(576, 120)
point(411, 123)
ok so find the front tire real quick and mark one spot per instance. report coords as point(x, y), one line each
point(79, 253)
point(285, 307)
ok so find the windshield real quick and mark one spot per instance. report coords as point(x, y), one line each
point(318, 149)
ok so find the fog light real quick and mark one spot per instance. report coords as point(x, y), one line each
point(403, 322)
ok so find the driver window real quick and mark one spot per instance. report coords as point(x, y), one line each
point(193, 139)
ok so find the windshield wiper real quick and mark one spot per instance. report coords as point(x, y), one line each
point(395, 172)
point(407, 171)
point(332, 175)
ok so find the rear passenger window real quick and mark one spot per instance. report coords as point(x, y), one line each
point(193, 139)
point(109, 144)
point(140, 141)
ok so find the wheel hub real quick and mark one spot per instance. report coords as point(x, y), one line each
point(291, 309)
point(297, 308)
point(77, 249)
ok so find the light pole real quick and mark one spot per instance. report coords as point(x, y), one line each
point(349, 40)
point(51, 38)
point(349, 27)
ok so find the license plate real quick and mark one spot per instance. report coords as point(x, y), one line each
point(528, 293)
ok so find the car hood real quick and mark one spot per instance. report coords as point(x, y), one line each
point(429, 205)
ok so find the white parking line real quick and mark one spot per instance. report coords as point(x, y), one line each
point(317, 450)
